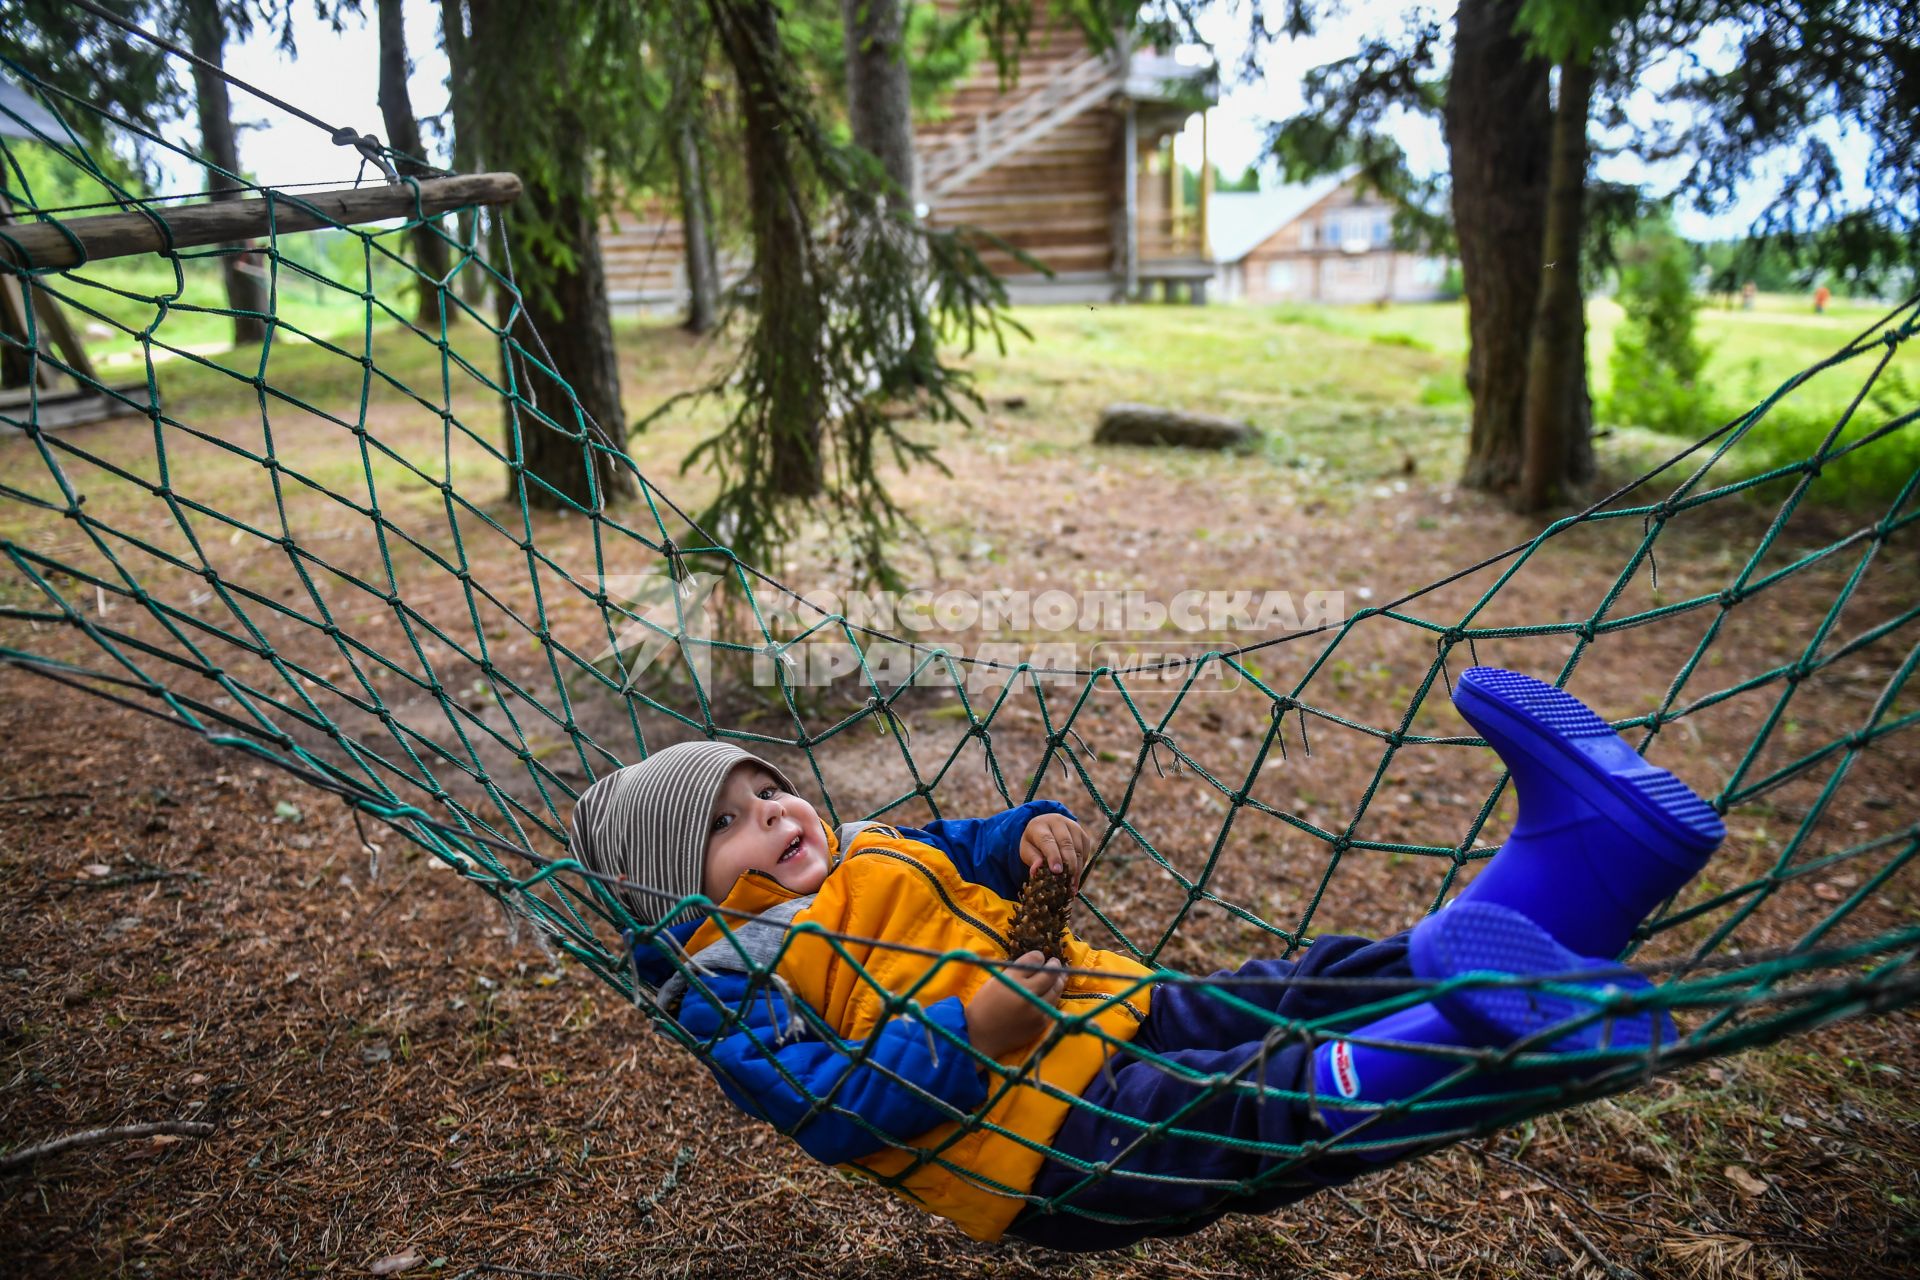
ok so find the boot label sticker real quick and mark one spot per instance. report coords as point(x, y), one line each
point(1346, 1077)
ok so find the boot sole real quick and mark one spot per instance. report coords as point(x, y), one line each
point(1481, 937)
point(1563, 734)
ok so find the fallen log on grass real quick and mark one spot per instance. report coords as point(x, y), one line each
point(1147, 425)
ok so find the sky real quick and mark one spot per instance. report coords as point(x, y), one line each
point(1237, 127)
point(335, 78)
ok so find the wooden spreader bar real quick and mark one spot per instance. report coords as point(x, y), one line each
point(40, 245)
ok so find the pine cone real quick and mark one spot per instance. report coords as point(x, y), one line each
point(1040, 917)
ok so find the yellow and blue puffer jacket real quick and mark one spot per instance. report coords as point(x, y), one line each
point(889, 1097)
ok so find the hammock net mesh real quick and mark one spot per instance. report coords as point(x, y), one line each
point(325, 551)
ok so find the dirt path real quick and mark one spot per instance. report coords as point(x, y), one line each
point(188, 934)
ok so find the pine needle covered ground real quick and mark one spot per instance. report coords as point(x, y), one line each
point(401, 1082)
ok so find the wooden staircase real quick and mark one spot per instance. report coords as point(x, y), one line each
point(1035, 175)
point(994, 136)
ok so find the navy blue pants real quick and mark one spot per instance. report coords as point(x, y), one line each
point(1206, 1036)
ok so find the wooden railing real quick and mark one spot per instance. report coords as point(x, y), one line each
point(1163, 236)
point(1030, 116)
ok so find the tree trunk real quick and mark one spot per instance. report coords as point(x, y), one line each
point(577, 425)
point(792, 320)
point(1498, 125)
point(246, 290)
point(403, 135)
point(880, 111)
point(466, 134)
point(696, 222)
point(879, 89)
point(1579, 436)
point(1556, 384)
point(570, 310)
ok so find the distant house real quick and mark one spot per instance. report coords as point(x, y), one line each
point(1074, 166)
point(1071, 164)
point(1319, 241)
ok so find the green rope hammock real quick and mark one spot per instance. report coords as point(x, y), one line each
point(303, 556)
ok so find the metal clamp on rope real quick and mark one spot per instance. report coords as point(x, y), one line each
point(371, 152)
point(883, 708)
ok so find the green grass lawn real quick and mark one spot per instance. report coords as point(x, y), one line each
point(118, 301)
point(1282, 366)
point(1250, 356)
point(1750, 353)
point(1358, 390)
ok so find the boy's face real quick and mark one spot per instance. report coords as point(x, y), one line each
point(756, 826)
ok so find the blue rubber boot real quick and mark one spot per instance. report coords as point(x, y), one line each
point(1477, 938)
point(1603, 837)
point(1372, 1074)
point(1470, 937)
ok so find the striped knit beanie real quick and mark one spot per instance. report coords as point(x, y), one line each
point(648, 823)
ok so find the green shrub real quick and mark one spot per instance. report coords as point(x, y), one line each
point(1867, 476)
point(1657, 359)
point(1397, 339)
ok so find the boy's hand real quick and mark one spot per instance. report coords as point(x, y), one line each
point(1000, 1019)
point(1057, 843)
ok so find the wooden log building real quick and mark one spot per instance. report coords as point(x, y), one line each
point(1071, 164)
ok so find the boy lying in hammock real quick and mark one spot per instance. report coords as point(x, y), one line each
point(1602, 839)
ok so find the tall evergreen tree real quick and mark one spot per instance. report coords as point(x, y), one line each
point(850, 295)
point(549, 93)
point(696, 227)
point(78, 54)
point(206, 23)
point(403, 135)
point(466, 154)
point(1793, 66)
point(791, 309)
point(1499, 139)
point(1556, 445)
point(1556, 448)
point(880, 89)
point(688, 108)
